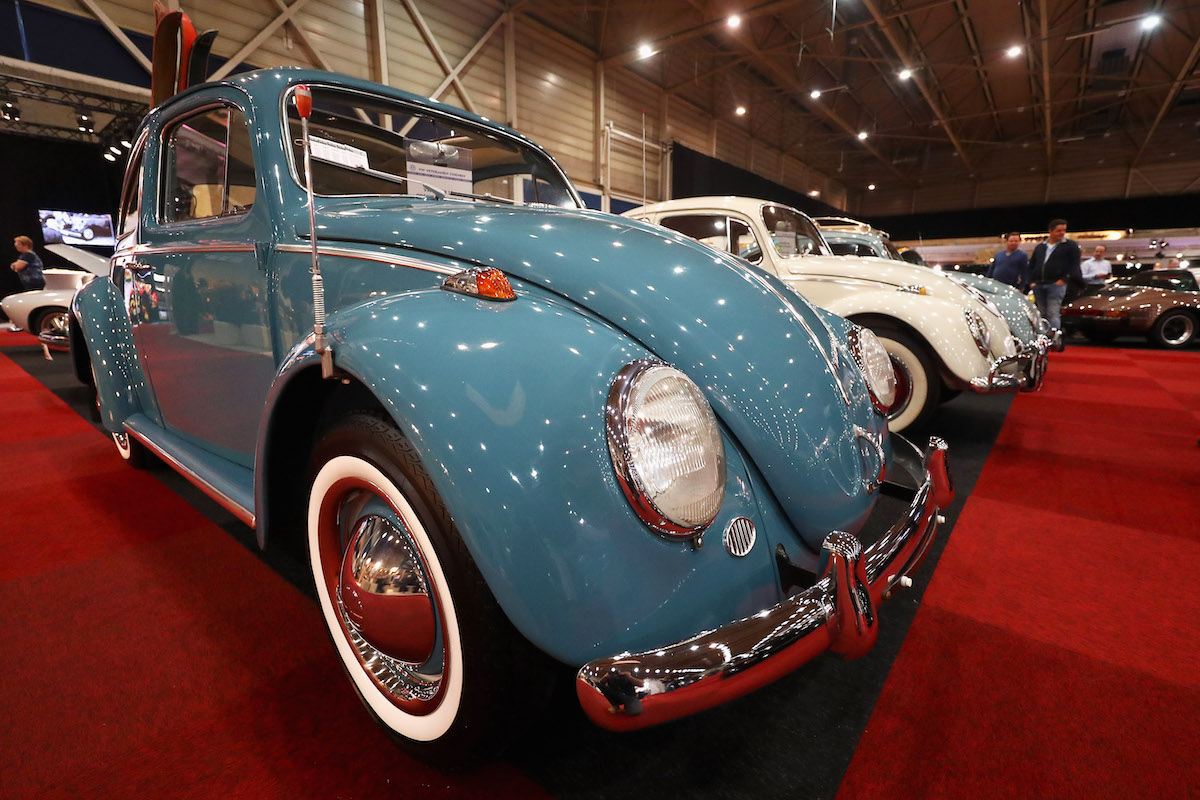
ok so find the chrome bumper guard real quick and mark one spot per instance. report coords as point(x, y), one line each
point(52, 341)
point(838, 613)
point(1030, 362)
point(1056, 340)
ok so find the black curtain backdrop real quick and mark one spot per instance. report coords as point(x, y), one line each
point(694, 174)
point(41, 173)
point(1178, 211)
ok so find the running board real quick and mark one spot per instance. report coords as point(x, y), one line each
point(230, 485)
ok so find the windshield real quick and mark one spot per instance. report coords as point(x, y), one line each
point(792, 233)
point(362, 144)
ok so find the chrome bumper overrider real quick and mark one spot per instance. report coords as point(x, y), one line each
point(838, 613)
point(1023, 371)
point(55, 341)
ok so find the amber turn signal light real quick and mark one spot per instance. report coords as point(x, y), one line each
point(485, 283)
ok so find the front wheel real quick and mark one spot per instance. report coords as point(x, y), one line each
point(1174, 329)
point(918, 385)
point(416, 628)
point(49, 321)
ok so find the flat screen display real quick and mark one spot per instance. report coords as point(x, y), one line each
point(76, 227)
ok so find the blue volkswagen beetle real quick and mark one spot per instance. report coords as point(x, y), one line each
point(512, 432)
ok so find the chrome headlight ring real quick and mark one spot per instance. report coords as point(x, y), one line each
point(875, 365)
point(666, 448)
point(979, 331)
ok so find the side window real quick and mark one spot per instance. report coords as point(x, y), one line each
point(742, 242)
point(207, 167)
point(711, 229)
point(131, 203)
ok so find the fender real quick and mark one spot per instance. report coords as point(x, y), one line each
point(505, 404)
point(121, 386)
point(939, 321)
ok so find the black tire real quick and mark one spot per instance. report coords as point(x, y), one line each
point(1174, 329)
point(49, 320)
point(948, 394)
point(918, 384)
point(452, 682)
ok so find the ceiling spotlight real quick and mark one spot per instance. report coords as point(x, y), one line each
point(645, 51)
point(126, 144)
point(116, 151)
point(733, 21)
point(905, 74)
point(870, 187)
point(740, 111)
point(862, 135)
point(10, 111)
point(814, 192)
point(1151, 22)
point(84, 121)
point(814, 94)
point(1013, 51)
point(110, 156)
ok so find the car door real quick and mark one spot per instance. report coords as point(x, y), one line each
point(196, 287)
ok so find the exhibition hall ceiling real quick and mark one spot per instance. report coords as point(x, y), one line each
point(902, 92)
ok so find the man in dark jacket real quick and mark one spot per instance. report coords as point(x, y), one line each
point(1055, 263)
point(1010, 265)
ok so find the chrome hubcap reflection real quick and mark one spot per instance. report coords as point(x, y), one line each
point(385, 600)
point(54, 324)
point(1178, 329)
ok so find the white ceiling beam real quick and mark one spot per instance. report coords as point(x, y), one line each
point(465, 63)
point(432, 43)
point(257, 42)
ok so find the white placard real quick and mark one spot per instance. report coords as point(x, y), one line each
point(338, 153)
point(450, 179)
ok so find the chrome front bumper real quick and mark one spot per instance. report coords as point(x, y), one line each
point(1023, 371)
point(53, 341)
point(838, 613)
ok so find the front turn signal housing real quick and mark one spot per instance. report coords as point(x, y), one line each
point(486, 283)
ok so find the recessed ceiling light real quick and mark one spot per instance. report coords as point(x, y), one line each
point(814, 192)
point(740, 110)
point(1151, 22)
point(862, 135)
point(905, 74)
point(870, 187)
point(733, 21)
point(1013, 51)
point(645, 51)
point(814, 94)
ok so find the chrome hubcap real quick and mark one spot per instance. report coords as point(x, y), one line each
point(386, 602)
point(1178, 329)
point(54, 324)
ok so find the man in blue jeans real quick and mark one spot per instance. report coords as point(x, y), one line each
point(1054, 264)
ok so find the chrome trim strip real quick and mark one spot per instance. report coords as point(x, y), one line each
point(147, 250)
point(226, 502)
point(370, 255)
point(635, 690)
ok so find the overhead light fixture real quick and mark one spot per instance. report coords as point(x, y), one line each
point(116, 151)
point(84, 121)
point(1013, 51)
point(870, 187)
point(733, 21)
point(1151, 22)
point(904, 74)
point(814, 94)
point(862, 136)
point(126, 144)
point(9, 110)
point(814, 192)
point(645, 51)
point(110, 156)
point(740, 111)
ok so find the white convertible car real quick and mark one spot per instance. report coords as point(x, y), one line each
point(942, 339)
point(43, 312)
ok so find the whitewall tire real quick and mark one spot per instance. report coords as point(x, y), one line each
point(918, 385)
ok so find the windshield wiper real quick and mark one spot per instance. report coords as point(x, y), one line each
point(485, 196)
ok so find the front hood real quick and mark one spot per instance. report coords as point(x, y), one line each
point(879, 270)
point(761, 353)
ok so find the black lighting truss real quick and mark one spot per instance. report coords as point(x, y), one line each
point(126, 114)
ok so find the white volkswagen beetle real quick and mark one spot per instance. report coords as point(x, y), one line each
point(942, 339)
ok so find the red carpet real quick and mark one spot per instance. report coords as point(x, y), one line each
point(1056, 653)
point(149, 654)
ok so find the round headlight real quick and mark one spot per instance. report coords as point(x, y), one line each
point(666, 447)
point(876, 367)
point(979, 331)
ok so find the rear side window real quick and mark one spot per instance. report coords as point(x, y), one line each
point(131, 203)
point(1179, 280)
point(207, 167)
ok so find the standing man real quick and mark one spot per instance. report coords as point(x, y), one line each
point(1055, 263)
point(1010, 265)
point(1097, 269)
point(27, 266)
